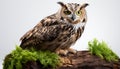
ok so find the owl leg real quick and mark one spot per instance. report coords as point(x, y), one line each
point(66, 51)
point(70, 50)
point(62, 52)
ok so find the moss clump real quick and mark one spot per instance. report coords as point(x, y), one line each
point(18, 57)
point(102, 50)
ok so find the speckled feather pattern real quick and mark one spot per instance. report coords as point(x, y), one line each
point(52, 33)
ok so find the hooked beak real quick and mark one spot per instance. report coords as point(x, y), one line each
point(73, 17)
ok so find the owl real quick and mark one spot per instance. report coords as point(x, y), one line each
point(59, 31)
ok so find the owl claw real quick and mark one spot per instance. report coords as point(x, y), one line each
point(62, 52)
point(65, 52)
point(73, 51)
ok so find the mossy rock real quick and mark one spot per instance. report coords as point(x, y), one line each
point(98, 56)
point(17, 58)
point(80, 60)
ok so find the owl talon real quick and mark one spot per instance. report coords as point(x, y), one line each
point(73, 51)
point(62, 52)
point(65, 52)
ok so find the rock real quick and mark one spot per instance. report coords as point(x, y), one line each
point(80, 60)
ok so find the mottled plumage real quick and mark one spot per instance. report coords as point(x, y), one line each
point(57, 31)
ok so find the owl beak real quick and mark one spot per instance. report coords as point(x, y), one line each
point(73, 17)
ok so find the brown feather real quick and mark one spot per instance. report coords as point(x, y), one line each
point(56, 31)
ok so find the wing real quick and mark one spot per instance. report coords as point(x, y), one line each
point(45, 31)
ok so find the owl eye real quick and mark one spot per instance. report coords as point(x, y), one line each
point(79, 12)
point(67, 12)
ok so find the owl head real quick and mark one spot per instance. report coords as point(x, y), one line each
point(72, 12)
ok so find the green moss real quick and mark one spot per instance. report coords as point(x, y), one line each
point(102, 50)
point(19, 56)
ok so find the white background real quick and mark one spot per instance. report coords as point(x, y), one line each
point(18, 16)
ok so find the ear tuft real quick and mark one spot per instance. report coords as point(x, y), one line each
point(84, 5)
point(61, 3)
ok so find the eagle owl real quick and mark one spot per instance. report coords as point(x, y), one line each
point(58, 31)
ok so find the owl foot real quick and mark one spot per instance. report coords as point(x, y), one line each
point(62, 52)
point(65, 52)
point(73, 51)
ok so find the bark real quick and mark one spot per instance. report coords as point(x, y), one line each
point(80, 60)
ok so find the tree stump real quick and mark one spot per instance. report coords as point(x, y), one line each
point(80, 60)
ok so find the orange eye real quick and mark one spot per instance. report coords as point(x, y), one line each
point(67, 12)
